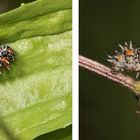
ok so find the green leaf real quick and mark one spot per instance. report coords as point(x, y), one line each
point(61, 134)
point(52, 23)
point(34, 9)
point(36, 94)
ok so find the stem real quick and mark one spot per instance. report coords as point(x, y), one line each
point(103, 70)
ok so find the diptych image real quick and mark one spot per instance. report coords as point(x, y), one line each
point(49, 90)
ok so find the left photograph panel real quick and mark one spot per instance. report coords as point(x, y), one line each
point(36, 70)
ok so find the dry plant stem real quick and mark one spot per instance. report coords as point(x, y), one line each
point(103, 70)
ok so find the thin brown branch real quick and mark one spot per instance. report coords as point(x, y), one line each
point(103, 70)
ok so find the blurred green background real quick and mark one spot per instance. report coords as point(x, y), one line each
point(107, 110)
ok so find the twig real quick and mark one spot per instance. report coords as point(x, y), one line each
point(103, 70)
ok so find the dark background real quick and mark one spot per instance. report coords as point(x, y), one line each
point(107, 110)
point(6, 5)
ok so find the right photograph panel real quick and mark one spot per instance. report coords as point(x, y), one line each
point(109, 62)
